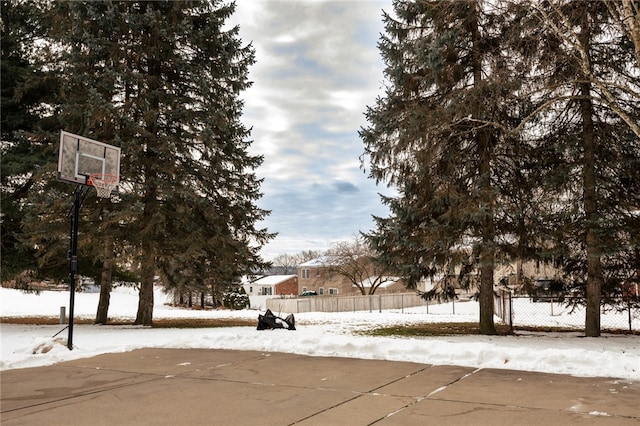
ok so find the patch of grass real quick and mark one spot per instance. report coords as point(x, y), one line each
point(468, 328)
point(158, 323)
point(39, 320)
point(435, 329)
point(547, 329)
point(203, 322)
point(415, 330)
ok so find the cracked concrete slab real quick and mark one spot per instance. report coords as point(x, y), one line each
point(207, 386)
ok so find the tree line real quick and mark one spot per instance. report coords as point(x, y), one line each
point(510, 131)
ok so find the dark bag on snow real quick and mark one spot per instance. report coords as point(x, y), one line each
point(269, 321)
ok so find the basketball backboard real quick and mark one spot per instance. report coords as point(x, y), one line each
point(80, 157)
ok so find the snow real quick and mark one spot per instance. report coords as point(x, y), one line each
point(317, 334)
point(271, 280)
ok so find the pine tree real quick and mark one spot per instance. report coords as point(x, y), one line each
point(591, 182)
point(162, 81)
point(440, 135)
point(27, 90)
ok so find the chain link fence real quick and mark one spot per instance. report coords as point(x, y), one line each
point(517, 311)
point(564, 313)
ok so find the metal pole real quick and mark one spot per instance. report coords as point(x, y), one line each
point(79, 195)
point(73, 263)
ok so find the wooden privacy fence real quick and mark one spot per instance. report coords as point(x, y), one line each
point(371, 303)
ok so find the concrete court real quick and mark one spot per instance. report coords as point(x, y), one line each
point(223, 387)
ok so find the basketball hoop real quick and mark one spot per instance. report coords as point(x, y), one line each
point(104, 183)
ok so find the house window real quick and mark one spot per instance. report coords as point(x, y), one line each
point(250, 289)
point(321, 291)
point(333, 291)
point(267, 291)
point(305, 273)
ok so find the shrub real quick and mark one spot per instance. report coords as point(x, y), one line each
point(236, 298)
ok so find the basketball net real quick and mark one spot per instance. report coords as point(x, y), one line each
point(103, 183)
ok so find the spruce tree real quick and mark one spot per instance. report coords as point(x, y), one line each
point(589, 177)
point(440, 135)
point(162, 80)
point(27, 91)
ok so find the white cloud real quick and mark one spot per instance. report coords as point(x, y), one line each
point(317, 69)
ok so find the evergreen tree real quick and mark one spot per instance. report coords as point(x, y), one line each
point(593, 181)
point(162, 81)
point(441, 134)
point(26, 95)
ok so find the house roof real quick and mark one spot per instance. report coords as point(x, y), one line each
point(319, 262)
point(273, 279)
point(386, 282)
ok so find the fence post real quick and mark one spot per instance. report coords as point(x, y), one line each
point(511, 312)
point(629, 313)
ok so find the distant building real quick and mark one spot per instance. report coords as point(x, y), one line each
point(272, 285)
point(317, 275)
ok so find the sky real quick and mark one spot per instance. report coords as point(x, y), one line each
point(317, 334)
point(317, 69)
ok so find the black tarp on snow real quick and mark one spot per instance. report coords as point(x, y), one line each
point(269, 321)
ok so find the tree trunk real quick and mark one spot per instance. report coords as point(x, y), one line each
point(592, 241)
point(593, 251)
point(487, 251)
point(629, 16)
point(153, 71)
point(105, 282)
point(145, 300)
point(487, 227)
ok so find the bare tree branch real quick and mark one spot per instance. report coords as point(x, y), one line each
point(562, 28)
point(356, 261)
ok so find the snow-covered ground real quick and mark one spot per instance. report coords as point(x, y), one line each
point(317, 334)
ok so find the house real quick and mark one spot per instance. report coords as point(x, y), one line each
point(319, 275)
point(272, 285)
point(328, 275)
point(518, 274)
